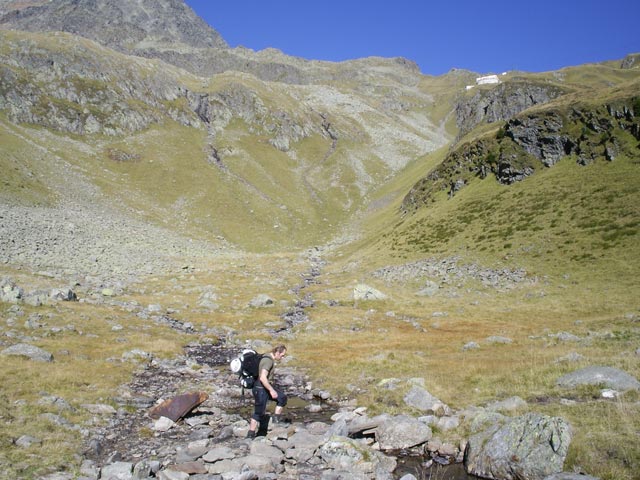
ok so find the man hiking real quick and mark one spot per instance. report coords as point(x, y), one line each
point(263, 391)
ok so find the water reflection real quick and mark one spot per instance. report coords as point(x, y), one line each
point(414, 466)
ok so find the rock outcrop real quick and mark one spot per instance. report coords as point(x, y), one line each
point(502, 102)
point(536, 140)
point(529, 447)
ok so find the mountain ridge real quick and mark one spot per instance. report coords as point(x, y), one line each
point(175, 34)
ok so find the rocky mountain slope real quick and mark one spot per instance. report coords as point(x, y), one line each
point(281, 152)
point(266, 151)
point(169, 30)
point(285, 156)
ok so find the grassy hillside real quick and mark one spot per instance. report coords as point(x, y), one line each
point(574, 229)
point(331, 166)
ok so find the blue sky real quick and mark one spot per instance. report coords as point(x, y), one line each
point(489, 36)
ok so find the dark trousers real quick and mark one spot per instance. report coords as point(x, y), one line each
point(261, 397)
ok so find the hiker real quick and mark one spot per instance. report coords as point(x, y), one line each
point(263, 391)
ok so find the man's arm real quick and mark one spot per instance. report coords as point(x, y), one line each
point(264, 374)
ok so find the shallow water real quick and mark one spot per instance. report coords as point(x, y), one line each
point(295, 410)
point(414, 466)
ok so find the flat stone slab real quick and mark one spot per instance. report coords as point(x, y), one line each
point(597, 375)
point(29, 351)
point(177, 407)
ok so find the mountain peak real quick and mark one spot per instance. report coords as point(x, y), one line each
point(118, 24)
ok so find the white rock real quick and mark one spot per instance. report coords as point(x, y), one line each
point(163, 424)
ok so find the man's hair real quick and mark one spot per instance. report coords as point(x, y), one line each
point(279, 349)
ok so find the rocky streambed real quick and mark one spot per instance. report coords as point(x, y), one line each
point(325, 439)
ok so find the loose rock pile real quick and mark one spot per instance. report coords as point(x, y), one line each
point(112, 244)
point(448, 271)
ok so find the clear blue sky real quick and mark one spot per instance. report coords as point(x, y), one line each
point(483, 36)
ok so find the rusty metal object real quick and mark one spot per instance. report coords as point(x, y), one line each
point(177, 407)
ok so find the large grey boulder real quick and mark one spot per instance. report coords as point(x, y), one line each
point(10, 292)
point(261, 300)
point(418, 397)
point(530, 447)
point(510, 404)
point(37, 298)
point(402, 432)
point(30, 351)
point(347, 454)
point(303, 444)
point(365, 292)
point(598, 375)
point(118, 470)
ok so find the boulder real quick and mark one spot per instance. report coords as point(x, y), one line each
point(262, 450)
point(208, 299)
point(178, 406)
point(598, 375)
point(419, 398)
point(99, 408)
point(530, 447)
point(136, 354)
point(342, 453)
point(470, 346)
point(217, 454)
point(10, 292)
point(119, 470)
point(498, 339)
point(365, 292)
point(37, 298)
point(429, 290)
point(172, 475)
point(402, 432)
point(30, 351)
point(260, 301)
point(509, 404)
point(163, 424)
point(25, 441)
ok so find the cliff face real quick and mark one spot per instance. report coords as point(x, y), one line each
point(77, 87)
point(503, 102)
point(585, 132)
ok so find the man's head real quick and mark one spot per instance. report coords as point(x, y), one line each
point(279, 352)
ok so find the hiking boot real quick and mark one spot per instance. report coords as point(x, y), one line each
point(251, 434)
point(279, 420)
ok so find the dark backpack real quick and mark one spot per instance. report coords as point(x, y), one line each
point(246, 365)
